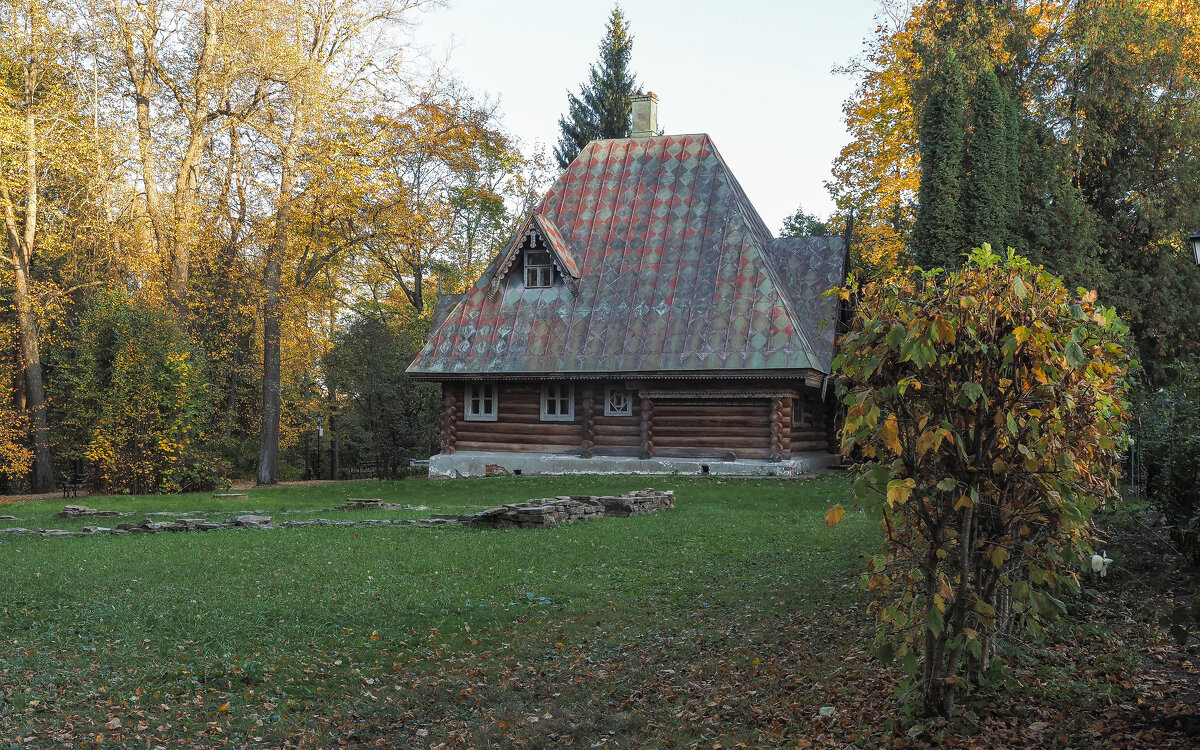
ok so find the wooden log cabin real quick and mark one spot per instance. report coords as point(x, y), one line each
point(642, 319)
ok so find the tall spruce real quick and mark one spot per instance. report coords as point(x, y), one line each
point(989, 195)
point(603, 106)
point(939, 236)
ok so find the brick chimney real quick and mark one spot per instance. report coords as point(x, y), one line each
point(645, 115)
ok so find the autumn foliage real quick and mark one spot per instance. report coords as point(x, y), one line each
point(986, 405)
point(138, 399)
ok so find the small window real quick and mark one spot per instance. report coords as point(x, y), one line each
point(801, 413)
point(558, 402)
point(539, 269)
point(617, 402)
point(481, 402)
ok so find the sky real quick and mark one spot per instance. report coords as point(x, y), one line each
point(756, 75)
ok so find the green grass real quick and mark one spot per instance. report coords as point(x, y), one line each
point(195, 621)
point(734, 617)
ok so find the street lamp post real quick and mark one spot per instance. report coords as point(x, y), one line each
point(320, 432)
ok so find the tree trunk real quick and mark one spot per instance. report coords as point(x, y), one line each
point(268, 447)
point(335, 449)
point(268, 444)
point(307, 456)
point(42, 478)
point(143, 92)
point(21, 246)
point(174, 234)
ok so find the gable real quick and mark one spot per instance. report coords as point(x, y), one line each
point(536, 233)
point(674, 272)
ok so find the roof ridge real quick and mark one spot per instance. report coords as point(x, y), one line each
point(649, 137)
point(757, 225)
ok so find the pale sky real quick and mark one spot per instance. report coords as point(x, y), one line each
point(756, 75)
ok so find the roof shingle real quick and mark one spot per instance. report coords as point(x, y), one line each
point(676, 272)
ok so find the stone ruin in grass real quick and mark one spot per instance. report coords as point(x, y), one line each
point(542, 512)
point(553, 511)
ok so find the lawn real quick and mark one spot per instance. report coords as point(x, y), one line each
point(734, 617)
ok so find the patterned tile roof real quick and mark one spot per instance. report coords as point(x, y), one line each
point(673, 272)
point(812, 265)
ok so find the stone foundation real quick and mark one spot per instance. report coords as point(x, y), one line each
point(498, 463)
point(81, 511)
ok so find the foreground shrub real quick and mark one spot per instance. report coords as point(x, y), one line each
point(138, 400)
point(15, 456)
point(987, 405)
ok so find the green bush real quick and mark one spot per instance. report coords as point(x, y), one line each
point(988, 405)
point(385, 418)
point(136, 400)
point(1167, 448)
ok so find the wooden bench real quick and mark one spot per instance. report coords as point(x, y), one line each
point(73, 484)
point(365, 470)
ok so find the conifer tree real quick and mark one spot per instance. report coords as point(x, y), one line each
point(939, 238)
point(988, 196)
point(1013, 135)
point(603, 106)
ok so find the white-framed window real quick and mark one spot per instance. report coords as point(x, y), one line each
point(539, 268)
point(617, 402)
point(558, 402)
point(480, 402)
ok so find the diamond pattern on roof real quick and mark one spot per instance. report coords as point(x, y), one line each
point(676, 272)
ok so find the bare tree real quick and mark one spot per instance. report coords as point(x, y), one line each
point(188, 74)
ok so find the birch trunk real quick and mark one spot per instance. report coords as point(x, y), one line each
point(21, 237)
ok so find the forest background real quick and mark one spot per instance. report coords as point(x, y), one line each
point(229, 223)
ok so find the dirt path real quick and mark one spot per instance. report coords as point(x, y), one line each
point(1169, 707)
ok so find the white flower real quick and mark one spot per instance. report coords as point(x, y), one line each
point(1100, 563)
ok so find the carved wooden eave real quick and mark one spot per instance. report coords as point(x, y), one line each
point(730, 394)
point(533, 231)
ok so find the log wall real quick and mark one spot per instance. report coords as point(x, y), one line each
point(811, 427)
point(712, 429)
point(723, 428)
point(518, 425)
point(618, 436)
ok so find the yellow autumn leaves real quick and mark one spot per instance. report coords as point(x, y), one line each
point(985, 434)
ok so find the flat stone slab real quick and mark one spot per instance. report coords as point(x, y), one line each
point(231, 496)
point(251, 520)
point(374, 503)
point(79, 511)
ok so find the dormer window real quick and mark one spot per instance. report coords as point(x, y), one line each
point(539, 268)
point(543, 256)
